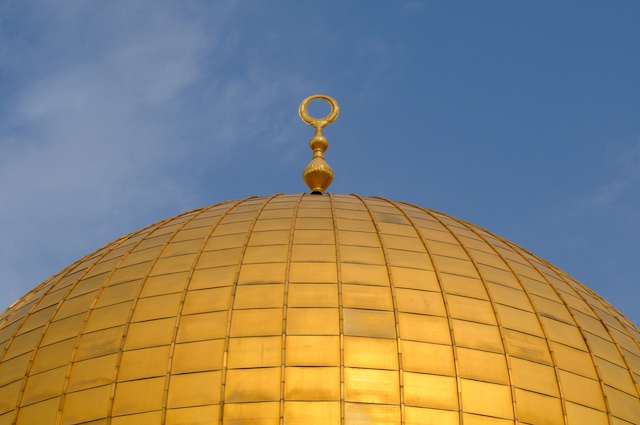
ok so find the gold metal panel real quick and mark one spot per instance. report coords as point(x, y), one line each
point(204, 300)
point(175, 248)
point(477, 335)
point(371, 386)
point(369, 239)
point(313, 295)
point(36, 319)
point(273, 237)
point(313, 321)
point(573, 360)
point(438, 392)
point(364, 273)
point(605, 349)
point(396, 229)
point(254, 352)
point(471, 419)
point(551, 309)
point(277, 213)
point(118, 293)
point(372, 353)
point(303, 350)
point(312, 383)
point(266, 254)
point(262, 273)
point(193, 415)
point(455, 266)
point(136, 419)
point(100, 343)
point(16, 368)
point(259, 296)
point(615, 376)
point(425, 280)
point(149, 334)
point(471, 309)
point(45, 412)
point(73, 306)
point(534, 377)
point(410, 259)
point(487, 399)
point(59, 330)
point(315, 223)
point(427, 358)
point(9, 396)
point(313, 272)
point(273, 224)
point(355, 225)
point(92, 373)
point(313, 237)
point(423, 302)
point(244, 385)
point(365, 414)
point(138, 396)
point(412, 243)
point(219, 258)
point(509, 296)
point(499, 275)
point(463, 285)
point(252, 413)
point(351, 213)
point(370, 323)
point(582, 390)
point(232, 228)
point(364, 296)
point(623, 405)
point(124, 274)
point(145, 363)
point(196, 327)
point(417, 327)
point(48, 357)
point(482, 366)
point(361, 254)
point(194, 389)
point(422, 416)
point(536, 287)
point(564, 333)
point(317, 253)
point(108, 317)
point(88, 405)
point(198, 356)
point(213, 277)
point(536, 408)
point(259, 322)
point(519, 320)
point(527, 347)
point(157, 307)
point(577, 414)
point(165, 284)
point(311, 413)
point(44, 385)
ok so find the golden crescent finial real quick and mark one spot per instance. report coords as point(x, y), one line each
point(318, 175)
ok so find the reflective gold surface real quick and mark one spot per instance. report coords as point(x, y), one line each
point(316, 309)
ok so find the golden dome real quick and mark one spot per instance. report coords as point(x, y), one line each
point(302, 309)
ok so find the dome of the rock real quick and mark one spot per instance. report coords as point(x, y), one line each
point(316, 309)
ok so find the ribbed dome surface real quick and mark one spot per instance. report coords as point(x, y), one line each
point(316, 310)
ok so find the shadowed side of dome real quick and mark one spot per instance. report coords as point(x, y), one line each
point(316, 309)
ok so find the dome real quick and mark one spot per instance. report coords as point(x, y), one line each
point(316, 309)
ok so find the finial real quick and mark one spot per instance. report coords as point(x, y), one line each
point(318, 175)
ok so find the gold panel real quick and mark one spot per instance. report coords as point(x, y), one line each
point(427, 358)
point(356, 225)
point(573, 360)
point(534, 377)
point(312, 383)
point(536, 408)
point(46, 357)
point(313, 321)
point(138, 396)
point(527, 347)
point(615, 376)
point(370, 353)
point(365, 414)
point(118, 293)
point(582, 390)
point(471, 309)
point(204, 300)
point(313, 295)
point(266, 254)
point(36, 319)
point(44, 385)
point(57, 331)
point(477, 335)
point(219, 258)
point(577, 414)
point(145, 363)
point(74, 306)
point(482, 366)
point(9, 396)
point(361, 254)
point(313, 237)
point(273, 237)
point(88, 405)
point(455, 266)
point(137, 419)
point(16, 368)
point(311, 413)
point(512, 297)
point(604, 349)
point(623, 405)
point(423, 302)
point(519, 320)
point(410, 259)
point(313, 272)
point(165, 284)
point(198, 356)
point(108, 317)
point(262, 273)
point(371, 323)
point(425, 280)
point(312, 350)
point(252, 413)
point(194, 389)
point(471, 419)
point(100, 343)
point(405, 243)
point(266, 321)
point(191, 246)
point(487, 399)
point(197, 327)
point(564, 333)
point(149, 334)
point(244, 385)
point(212, 278)
point(364, 273)
point(438, 392)
point(462, 285)
point(273, 224)
point(157, 307)
point(422, 416)
point(259, 296)
point(254, 352)
point(45, 412)
point(93, 372)
point(413, 326)
point(364, 296)
point(193, 415)
point(346, 237)
point(371, 386)
point(317, 253)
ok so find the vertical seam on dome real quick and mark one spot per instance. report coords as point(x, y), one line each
point(535, 311)
point(285, 306)
point(234, 287)
point(340, 305)
point(394, 300)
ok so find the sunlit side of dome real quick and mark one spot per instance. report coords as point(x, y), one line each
point(316, 310)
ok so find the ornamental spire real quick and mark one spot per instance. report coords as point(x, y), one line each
point(318, 175)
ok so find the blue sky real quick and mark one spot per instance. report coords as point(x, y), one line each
point(520, 117)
